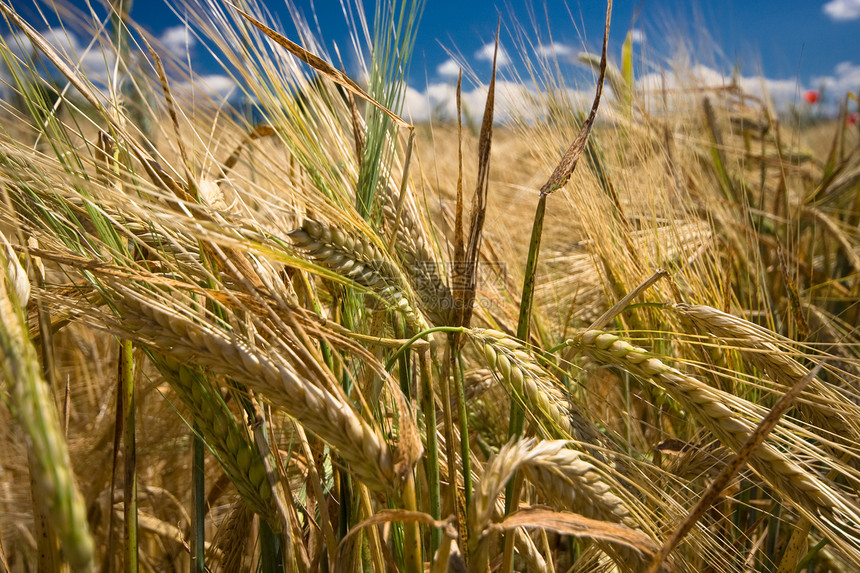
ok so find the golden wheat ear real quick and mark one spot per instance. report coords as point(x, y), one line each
point(360, 260)
point(827, 506)
point(534, 388)
point(824, 404)
point(421, 265)
point(301, 395)
point(569, 483)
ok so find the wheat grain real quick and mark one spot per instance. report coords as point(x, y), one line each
point(560, 473)
point(564, 475)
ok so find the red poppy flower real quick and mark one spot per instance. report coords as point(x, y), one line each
point(852, 118)
point(811, 96)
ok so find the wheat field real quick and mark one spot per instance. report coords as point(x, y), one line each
point(608, 336)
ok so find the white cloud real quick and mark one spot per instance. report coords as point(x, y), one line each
point(177, 39)
point(94, 64)
point(842, 9)
point(449, 69)
point(438, 100)
point(486, 53)
point(637, 36)
point(416, 106)
point(217, 85)
point(845, 78)
point(780, 91)
point(555, 50)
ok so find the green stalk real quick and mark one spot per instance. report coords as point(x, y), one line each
point(422, 334)
point(457, 369)
point(126, 373)
point(451, 454)
point(371, 534)
point(512, 492)
point(344, 499)
point(524, 323)
point(557, 180)
point(811, 554)
point(431, 462)
point(403, 362)
point(198, 496)
point(271, 555)
point(517, 417)
point(771, 555)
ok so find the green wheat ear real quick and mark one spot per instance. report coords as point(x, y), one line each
point(222, 434)
point(32, 403)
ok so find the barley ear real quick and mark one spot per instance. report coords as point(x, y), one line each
point(827, 507)
point(33, 406)
point(231, 539)
point(230, 443)
point(359, 260)
point(823, 403)
point(422, 269)
point(328, 414)
point(533, 387)
point(564, 477)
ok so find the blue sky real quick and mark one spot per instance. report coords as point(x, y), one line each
point(783, 46)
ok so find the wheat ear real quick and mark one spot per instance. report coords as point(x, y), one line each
point(822, 403)
point(321, 411)
point(534, 387)
point(360, 260)
point(563, 476)
point(230, 443)
point(570, 482)
point(33, 406)
point(434, 296)
point(824, 505)
point(232, 536)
